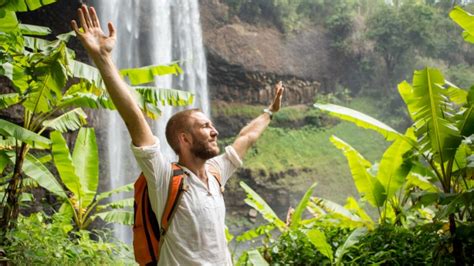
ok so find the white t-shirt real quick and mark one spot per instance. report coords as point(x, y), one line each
point(196, 235)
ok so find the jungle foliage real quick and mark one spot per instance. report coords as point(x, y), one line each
point(48, 88)
point(421, 188)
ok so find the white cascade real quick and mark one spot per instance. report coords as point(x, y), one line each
point(151, 33)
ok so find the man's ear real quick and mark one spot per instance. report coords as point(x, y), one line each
point(184, 138)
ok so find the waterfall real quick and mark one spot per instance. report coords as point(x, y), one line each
point(150, 33)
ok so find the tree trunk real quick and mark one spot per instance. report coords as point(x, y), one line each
point(458, 251)
point(11, 208)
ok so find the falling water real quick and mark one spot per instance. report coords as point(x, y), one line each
point(151, 33)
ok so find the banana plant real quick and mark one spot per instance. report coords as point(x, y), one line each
point(433, 149)
point(79, 172)
point(50, 88)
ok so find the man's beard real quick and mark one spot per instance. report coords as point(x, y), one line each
point(202, 150)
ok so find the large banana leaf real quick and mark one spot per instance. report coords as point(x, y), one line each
point(146, 74)
point(124, 188)
point(296, 217)
point(465, 20)
point(24, 5)
point(318, 239)
point(368, 186)
point(432, 113)
point(466, 126)
point(51, 81)
point(119, 204)
point(394, 167)
point(86, 162)
point(255, 201)
point(332, 207)
point(86, 100)
point(70, 120)
point(9, 99)
point(420, 176)
point(8, 129)
point(171, 97)
point(38, 172)
point(27, 29)
point(360, 119)
point(353, 206)
point(87, 72)
point(65, 166)
point(9, 21)
point(115, 216)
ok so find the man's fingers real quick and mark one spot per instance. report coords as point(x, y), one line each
point(75, 27)
point(80, 14)
point(111, 30)
point(94, 18)
point(87, 17)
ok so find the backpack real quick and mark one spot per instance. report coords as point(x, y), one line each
point(148, 235)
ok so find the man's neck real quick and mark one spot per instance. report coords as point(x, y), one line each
point(195, 165)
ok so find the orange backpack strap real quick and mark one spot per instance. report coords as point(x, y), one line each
point(148, 236)
point(217, 175)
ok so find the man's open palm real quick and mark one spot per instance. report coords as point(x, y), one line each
point(92, 36)
point(276, 104)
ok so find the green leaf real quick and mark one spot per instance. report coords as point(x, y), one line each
point(64, 164)
point(255, 201)
point(456, 95)
point(351, 240)
point(458, 202)
point(420, 176)
point(361, 120)
point(255, 232)
point(8, 22)
point(86, 161)
point(86, 72)
point(4, 160)
point(171, 97)
point(332, 207)
point(368, 186)
point(125, 188)
point(9, 99)
point(393, 167)
point(143, 75)
point(26, 5)
point(255, 258)
point(228, 235)
point(318, 239)
point(432, 113)
point(296, 217)
point(119, 204)
point(35, 30)
point(8, 129)
point(38, 172)
point(353, 206)
point(86, 100)
point(70, 120)
point(115, 216)
point(465, 20)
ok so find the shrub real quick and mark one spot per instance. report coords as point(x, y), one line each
point(42, 240)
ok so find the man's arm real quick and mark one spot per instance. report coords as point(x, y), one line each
point(251, 132)
point(99, 46)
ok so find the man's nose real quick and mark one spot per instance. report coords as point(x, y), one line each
point(214, 132)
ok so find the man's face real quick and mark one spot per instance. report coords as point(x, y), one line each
point(204, 136)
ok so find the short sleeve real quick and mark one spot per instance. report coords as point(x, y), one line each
point(226, 163)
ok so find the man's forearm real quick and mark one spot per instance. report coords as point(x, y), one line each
point(250, 133)
point(124, 102)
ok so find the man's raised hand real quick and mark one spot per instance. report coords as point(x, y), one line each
point(92, 36)
point(276, 104)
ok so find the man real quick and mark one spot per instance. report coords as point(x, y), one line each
point(196, 235)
